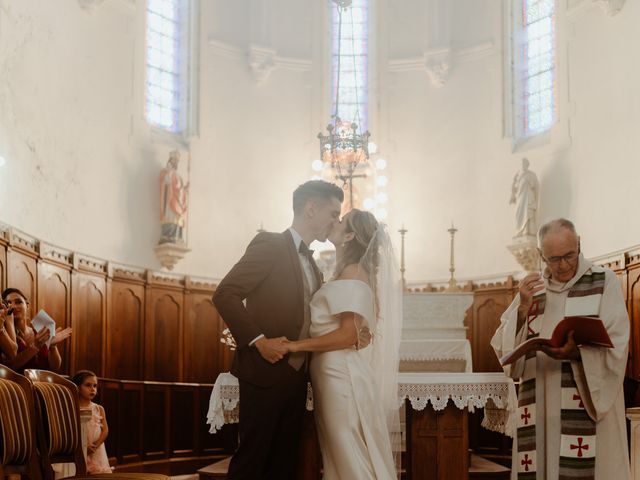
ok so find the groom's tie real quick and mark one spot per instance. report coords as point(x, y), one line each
point(303, 249)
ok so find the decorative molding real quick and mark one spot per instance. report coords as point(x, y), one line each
point(262, 61)
point(56, 254)
point(165, 278)
point(85, 263)
point(23, 241)
point(610, 7)
point(438, 63)
point(126, 272)
point(92, 5)
point(200, 283)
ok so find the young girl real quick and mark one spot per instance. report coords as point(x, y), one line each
point(95, 422)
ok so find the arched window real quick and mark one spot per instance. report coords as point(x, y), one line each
point(167, 64)
point(350, 56)
point(534, 67)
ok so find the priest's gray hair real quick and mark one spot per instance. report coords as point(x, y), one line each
point(554, 226)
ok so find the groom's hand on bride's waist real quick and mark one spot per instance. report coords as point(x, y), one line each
point(271, 349)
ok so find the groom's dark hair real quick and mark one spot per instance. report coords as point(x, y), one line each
point(315, 189)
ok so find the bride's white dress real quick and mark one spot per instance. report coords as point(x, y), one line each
point(350, 420)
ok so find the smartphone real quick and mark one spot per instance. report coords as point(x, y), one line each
point(10, 311)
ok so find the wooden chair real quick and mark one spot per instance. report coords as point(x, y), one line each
point(60, 432)
point(17, 426)
point(58, 413)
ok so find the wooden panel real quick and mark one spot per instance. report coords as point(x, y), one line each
point(633, 306)
point(131, 439)
point(125, 332)
point(109, 397)
point(21, 274)
point(184, 418)
point(54, 296)
point(3, 266)
point(202, 339)
point(88, 321)
point(437, 443)
point(156, 421)
point(485, 314)
point(163, 336)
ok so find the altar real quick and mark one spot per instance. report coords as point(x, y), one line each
point(436, 406)
point(434, 337)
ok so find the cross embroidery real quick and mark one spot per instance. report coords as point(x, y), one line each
point(577, 397)
point(580, 446)
point(526, 461)
point(526, 416)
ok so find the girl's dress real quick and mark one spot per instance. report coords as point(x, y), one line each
point(98, 461)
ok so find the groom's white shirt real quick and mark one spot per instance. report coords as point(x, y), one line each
point(306, 268)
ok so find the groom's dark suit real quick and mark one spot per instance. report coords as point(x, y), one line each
point(269, 279)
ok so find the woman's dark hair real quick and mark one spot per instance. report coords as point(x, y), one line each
point(315, 189)
point(81, 375)
point(9, 291)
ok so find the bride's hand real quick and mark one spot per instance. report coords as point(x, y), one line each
point(290, 346)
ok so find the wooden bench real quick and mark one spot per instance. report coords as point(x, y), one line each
point(216, 470)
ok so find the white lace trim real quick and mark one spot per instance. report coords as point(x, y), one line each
point(497, 398)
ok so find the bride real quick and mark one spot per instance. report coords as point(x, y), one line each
point(355, 390)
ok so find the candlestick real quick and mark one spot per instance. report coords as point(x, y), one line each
point(402, 231)
point(453, 286)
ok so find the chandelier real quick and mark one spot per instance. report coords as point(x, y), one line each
point(343, 147)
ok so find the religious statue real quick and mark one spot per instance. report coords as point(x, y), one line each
point(525, 194)
point(173, 201)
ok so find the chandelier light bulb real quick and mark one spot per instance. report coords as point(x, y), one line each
point(381, 214)
point(317, 165)
point(381, 164)
point(368, 203)
point(373, 148)
point(316, 177)
point(2, 161)
point(382, 181)
point(382, 197)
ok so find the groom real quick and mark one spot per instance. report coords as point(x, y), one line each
point(264, 299)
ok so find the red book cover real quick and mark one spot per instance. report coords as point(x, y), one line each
point(586, 331)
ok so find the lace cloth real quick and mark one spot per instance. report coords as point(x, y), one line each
point(437, 350)
point(494, 392)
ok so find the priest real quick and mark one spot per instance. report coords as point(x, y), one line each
point(570, 420)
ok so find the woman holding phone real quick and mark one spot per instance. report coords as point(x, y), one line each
point(8, 345)
point(32, 351)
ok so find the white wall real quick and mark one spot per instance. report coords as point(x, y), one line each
point(82, 167)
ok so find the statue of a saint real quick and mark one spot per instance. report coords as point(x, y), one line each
point(525, 194)
point(173, 201)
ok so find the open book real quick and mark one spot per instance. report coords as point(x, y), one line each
point(586, 331)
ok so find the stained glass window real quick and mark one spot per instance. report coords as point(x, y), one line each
point(350, 39)
point(536, 66)
point(166, 63)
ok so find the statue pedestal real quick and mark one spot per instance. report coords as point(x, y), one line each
point(169, 254)
point(525, 250)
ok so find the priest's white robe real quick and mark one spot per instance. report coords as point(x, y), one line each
point(599, 378)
